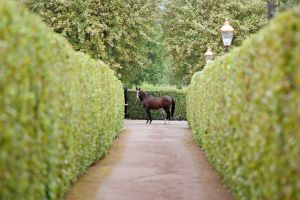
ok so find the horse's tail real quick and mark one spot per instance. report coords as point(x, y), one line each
point(173, 108)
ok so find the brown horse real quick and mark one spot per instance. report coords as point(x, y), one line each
point(154, 103)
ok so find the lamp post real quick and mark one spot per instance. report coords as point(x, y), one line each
point(227, 33)
point(208, 55)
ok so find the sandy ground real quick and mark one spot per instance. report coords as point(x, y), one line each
point(151, 162)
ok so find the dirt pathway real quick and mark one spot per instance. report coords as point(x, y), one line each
point(151, 162)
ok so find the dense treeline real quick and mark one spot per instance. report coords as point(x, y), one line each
point(244, 110)
point(154, 41)
point(59, 109)
point(124, 34)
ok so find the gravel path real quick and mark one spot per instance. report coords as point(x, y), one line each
point(151, 162)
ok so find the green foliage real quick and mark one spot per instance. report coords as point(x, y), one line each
point(244, 111)
point(192, 26)
point(122, 33)
point(287, 4)
point(156, 72)
point(59, 110)
point(136, 111)
point(155, 41)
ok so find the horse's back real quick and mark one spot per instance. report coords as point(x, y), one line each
point(158, 102)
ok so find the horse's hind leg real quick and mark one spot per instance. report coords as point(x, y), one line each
point(168, 117)
point(166, 110)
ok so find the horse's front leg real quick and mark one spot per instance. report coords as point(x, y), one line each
point(149, 116)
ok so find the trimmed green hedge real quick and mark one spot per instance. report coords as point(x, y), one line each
point(136, 111)
point(244, 109)
point(59, 109)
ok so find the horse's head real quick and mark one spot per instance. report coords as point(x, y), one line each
point(141, 95)
point(138, 91)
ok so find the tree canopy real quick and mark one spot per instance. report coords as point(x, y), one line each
point(154, 41)
point(193, 26)
point(118, 32)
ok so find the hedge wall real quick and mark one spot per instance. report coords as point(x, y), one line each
point(244, 110)
point(59, 110)
point(136, 111)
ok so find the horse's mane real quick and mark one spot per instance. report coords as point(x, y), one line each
point(144, 95)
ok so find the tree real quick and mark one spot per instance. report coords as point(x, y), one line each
point(117, 32)
point(191, 26)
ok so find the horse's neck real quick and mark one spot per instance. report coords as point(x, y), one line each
point(144, 96)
